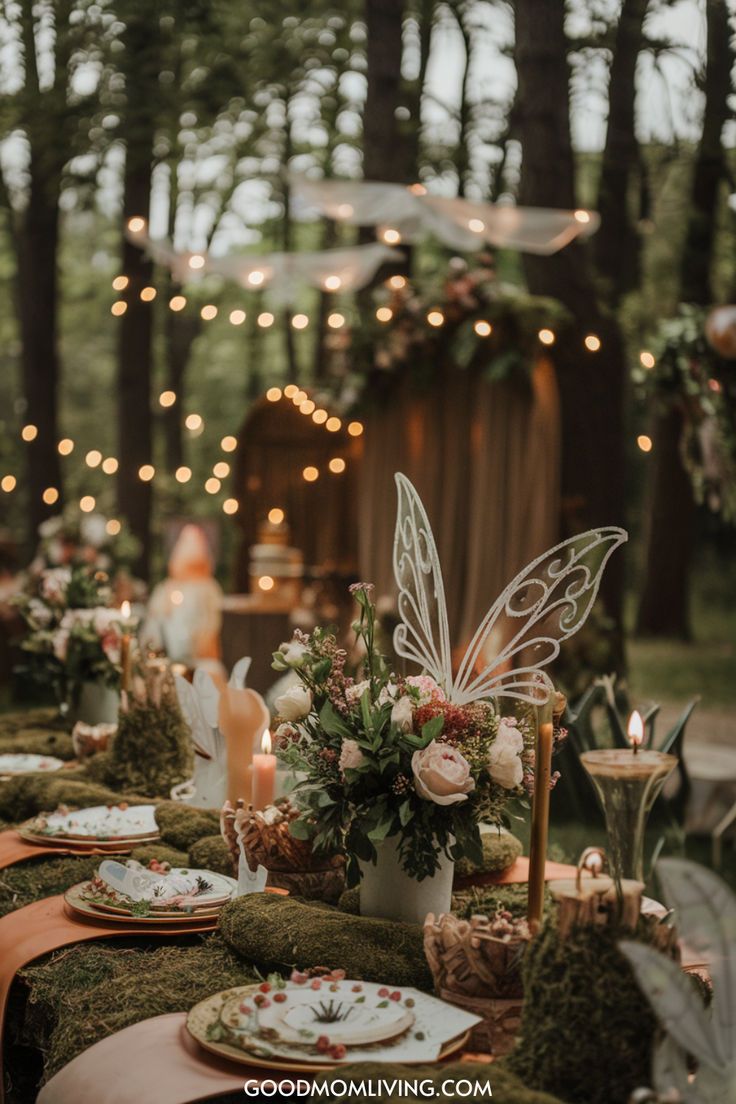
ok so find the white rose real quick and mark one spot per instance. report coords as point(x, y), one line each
point(39, 612)
point(294, 704)
point(351, 756)
point(54, 583)
point(442, 774)
point(92, 530)
point(402, 714)
point(504, 758)
point(355, 692)
point(293, 653)
point(388, 693)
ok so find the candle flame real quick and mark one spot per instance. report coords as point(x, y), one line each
point(266, 743)
point(636, 729)
point(125, 609)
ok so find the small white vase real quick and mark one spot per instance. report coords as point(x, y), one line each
point(387, 891)
point(97, 704)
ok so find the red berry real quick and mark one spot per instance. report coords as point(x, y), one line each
point(395, 996)
point(279, 998)
point(260, 1000)
point(265, 987)
point(337, 975)
point(323, 1044)
point(298, 977)
point(338, 1051)
point(357, 989)
point(316, 984)
point(383, 992)
point(246, 1009)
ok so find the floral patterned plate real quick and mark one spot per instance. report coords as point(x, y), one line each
point(96, 824)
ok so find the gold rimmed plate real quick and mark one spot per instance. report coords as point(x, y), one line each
point(77, 903)
point(82, 844)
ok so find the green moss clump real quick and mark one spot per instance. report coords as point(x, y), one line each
point(280, 933)
point(160, 852)
point(151, 750)
point(500, 851)
point(29, 794)
point(488, 900)
point(211, 853)
point(37, 741)
point(587, 1030)
point(81, 995)
point(45, 717)
point(506, 1088)
point(181, 825)
point(45, 876)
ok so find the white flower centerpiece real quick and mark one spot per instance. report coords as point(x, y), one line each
point(74, 641)
point(401, 771)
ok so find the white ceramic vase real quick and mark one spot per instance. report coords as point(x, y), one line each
point(97, 704)
point(387, 891)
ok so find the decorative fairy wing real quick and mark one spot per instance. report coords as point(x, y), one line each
point(521, 633)
point(191, 711)
point(208, 694)
point(545, 604)
point(239, 673)
point(423, 634)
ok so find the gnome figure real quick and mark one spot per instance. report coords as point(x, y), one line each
point(184, 613)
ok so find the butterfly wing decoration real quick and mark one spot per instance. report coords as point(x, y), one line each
point(191, 711)
point(208, 694)
point(239, 673)
point(544, 605)
point(423, 634)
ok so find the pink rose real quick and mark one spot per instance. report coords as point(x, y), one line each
point(504, 757)
point(351, 757)
point(441, 774)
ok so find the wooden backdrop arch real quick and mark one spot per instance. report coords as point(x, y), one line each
point(485, 457)
point(276, 443)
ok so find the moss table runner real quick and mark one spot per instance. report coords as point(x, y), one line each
point(45, 926)
point(516, 873)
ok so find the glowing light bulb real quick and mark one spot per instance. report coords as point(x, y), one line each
point(50, 496)
point(391, 236)
point(582, 217)
point(355, 429)
point(194, 421)
point(221, 469)
point(276, 515)
point(476, 225)
point(644, 442)
point(148, 294)
point(384, 314)
point(119, 308)
point(65, 446)
point(332, 283)
point(183, 474)
point(335, 320)
point(546, 337)
point(93, 458)
point(266, 582)
point(483, 328)
point(177, 303)
point(273, 394)
point(208, 312)
point(337, 465)
point(120, 283)
point(265, 319)
point(310, 473)
point(177, 597)
point(229, 444)
point(87, 504)
point(146, 472)
point(109, 465)
point(333, 424)
point(237, 317)
point(290, 390)
point(646, 359)
point(136, 224)
point(167, 398)
point(212, 485)
point(196, 261)
point(306, 407)
point(320, 416)
point(300, 321)
point(397, 282)
point(230, 506)
point(29, 432)
point(113, 527)
point(256, 277)
point(8, 483)
point(435, 318)
point(592, 343)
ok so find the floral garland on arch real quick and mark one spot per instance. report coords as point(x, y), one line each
point(688, 372)
point(392, 756)
point(471, 322)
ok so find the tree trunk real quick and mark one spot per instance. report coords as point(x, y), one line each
point(664, 608)
point(616, 244)
point(384, 151)
point(182, 329)
point(37, 245)
point(591, 383)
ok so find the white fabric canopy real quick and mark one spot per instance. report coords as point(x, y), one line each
point(280, 275)
point(459, 223)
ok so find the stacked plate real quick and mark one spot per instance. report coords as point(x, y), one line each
point(12, 763)
point(156, 894)
point(311, 1024)
point(112, 828)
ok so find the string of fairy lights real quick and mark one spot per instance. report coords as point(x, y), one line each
point(94, 459)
